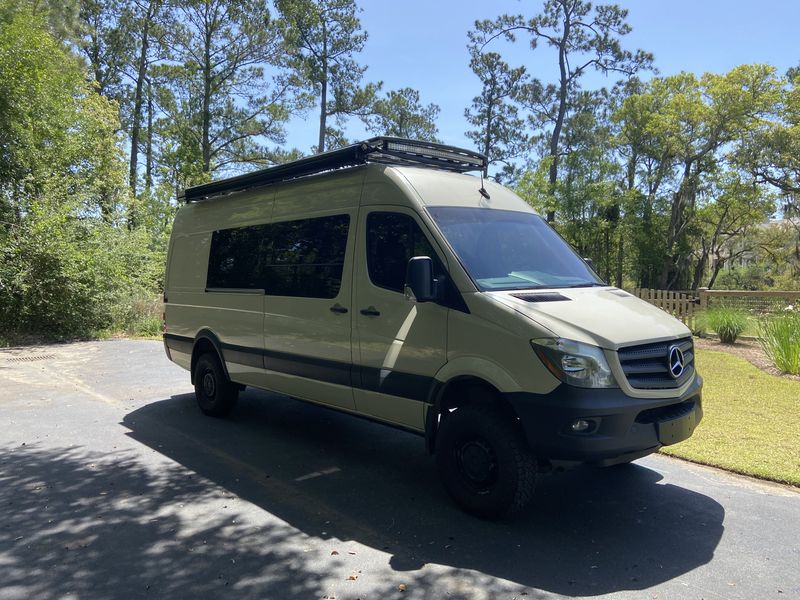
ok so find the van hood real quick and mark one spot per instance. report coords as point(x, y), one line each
point(607, 317)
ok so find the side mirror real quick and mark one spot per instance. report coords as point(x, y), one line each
point(589, 262)
point(419, 279)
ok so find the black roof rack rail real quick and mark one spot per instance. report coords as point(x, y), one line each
point(387, 150)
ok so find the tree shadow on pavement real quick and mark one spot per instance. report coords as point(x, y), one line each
point(588, 532)
point(83, 525)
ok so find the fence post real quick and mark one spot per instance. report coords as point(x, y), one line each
point(703, 291)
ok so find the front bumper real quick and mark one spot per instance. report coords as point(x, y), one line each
point(620, 425)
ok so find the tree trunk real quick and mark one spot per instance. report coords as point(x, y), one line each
point(206, 115)
point(323, 103)
point(487, 140)
point(630, 174)
point(700, 268)
point(148, 168)
point(97, 67)
point(620, 258)
point(323, 107)
point(680, 200)
point(562, 111)
point(141, 72)
point(718, 264)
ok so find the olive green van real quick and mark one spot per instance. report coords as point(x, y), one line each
point(384, 281)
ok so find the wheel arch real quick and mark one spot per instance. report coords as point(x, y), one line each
point(207, 341)
point(461, 390)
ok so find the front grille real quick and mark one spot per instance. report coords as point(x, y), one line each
point(647, 366)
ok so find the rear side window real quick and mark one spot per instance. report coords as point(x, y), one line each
point(303, 258)
point(234, 257)
point(392, 240)
point(306, 258)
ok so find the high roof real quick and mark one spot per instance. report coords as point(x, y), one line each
point(386, 150)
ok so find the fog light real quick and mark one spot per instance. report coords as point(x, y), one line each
point(580, 426)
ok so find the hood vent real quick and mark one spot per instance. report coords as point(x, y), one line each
point(543, 297)
point(620, 293)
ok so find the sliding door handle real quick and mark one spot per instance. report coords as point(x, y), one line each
point(370, 312)
point(338, 309)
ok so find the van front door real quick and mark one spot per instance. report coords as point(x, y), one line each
point(400, 344)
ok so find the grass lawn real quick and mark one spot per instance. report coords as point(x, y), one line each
point(751, 423)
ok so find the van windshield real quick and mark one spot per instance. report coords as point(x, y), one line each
point(509, 250)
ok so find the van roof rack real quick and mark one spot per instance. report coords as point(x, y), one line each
point(386, 150)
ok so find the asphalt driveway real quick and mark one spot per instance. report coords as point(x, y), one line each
point(114, 485)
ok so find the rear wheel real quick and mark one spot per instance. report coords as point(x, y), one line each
point(484, 461)
point(216, 394)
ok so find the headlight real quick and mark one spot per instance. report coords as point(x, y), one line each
point(575, 363)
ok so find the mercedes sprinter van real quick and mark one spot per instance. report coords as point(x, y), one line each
point(384, 281)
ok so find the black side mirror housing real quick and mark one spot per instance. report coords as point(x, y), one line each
point(419, 279)
point(589, 262)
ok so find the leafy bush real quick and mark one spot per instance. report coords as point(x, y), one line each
point(700, 324)
point(64, 277)
point(780, 339)
point(138, 314)
point(728, 322)
point(751, 277)
point(73, 263)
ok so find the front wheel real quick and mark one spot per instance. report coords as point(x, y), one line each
point(484, 461)
point(216, 394)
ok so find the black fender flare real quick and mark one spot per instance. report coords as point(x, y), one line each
point(211, 337)
point(435, 400)
point(435, 395)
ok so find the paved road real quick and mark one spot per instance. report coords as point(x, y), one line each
point(113, 485)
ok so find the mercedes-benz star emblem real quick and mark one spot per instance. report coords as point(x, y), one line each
point(676, 362)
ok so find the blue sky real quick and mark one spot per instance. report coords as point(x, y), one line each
point(422, 44)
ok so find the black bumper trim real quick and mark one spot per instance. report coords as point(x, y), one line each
point(546, 419)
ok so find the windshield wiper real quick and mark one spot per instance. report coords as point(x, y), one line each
point(584, 284)
point(544, 287)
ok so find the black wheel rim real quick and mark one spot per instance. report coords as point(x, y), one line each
point(209, 384)
point(476, 462)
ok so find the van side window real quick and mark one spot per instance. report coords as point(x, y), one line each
point(306, 257)
point(303, 258)
point(393, 239)
point(231, 262)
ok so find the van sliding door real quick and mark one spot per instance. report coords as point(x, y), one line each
point(307, 308)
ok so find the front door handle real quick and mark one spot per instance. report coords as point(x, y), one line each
point(370, 312)
point(338, 309)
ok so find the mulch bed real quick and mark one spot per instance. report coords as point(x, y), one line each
point(749, 350)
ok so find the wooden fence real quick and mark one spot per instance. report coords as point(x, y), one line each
point(754, 302)
point(681, 305)
point(686, 305)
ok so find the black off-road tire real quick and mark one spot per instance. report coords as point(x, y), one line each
point(485, 462)
point(216, 394)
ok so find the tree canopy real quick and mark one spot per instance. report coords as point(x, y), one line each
point(108, 108)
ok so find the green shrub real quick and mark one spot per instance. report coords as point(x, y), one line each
point(728, 322)
point(150, 326)
point(64, 278)
point(138, 314)
point(700, 324)
point(780, 339)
